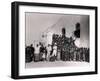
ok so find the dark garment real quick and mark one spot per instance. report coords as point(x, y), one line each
point(52, 58)
point(29, 50)
point(77, 33)
point(29, 54)
point(42, 50)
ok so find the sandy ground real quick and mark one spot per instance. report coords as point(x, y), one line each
point(55, 64)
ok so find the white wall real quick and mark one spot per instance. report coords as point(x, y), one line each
point(5, 41)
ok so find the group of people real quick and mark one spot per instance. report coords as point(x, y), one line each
point(52, 53)
point(77, 54)
point(41, 52)
point(62, 48)
point(68, 50)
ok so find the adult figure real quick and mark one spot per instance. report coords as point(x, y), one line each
point(29, 53)
point(37, 47)
point(49, 49)
point(54, 53)
point(44, 56)
point(76, 35)
point(41, 50)
point(32, 51)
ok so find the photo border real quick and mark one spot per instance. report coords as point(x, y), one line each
point(15, 39)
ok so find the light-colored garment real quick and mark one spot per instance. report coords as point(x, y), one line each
point(43, 56)
point(37, 49)
point(48, 52)
point(77, 42)
point(49, 48)
point(54, 51)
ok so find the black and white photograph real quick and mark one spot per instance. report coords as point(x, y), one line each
point(50, 40)
point(54, 40)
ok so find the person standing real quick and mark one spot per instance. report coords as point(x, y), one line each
point(32, 51)
point(76, 35)
point(29, 53)
point(55, 51)
point(49, 49)
point(44, 56)
point(75, 55)
point(41, 50)
point(37, 47)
